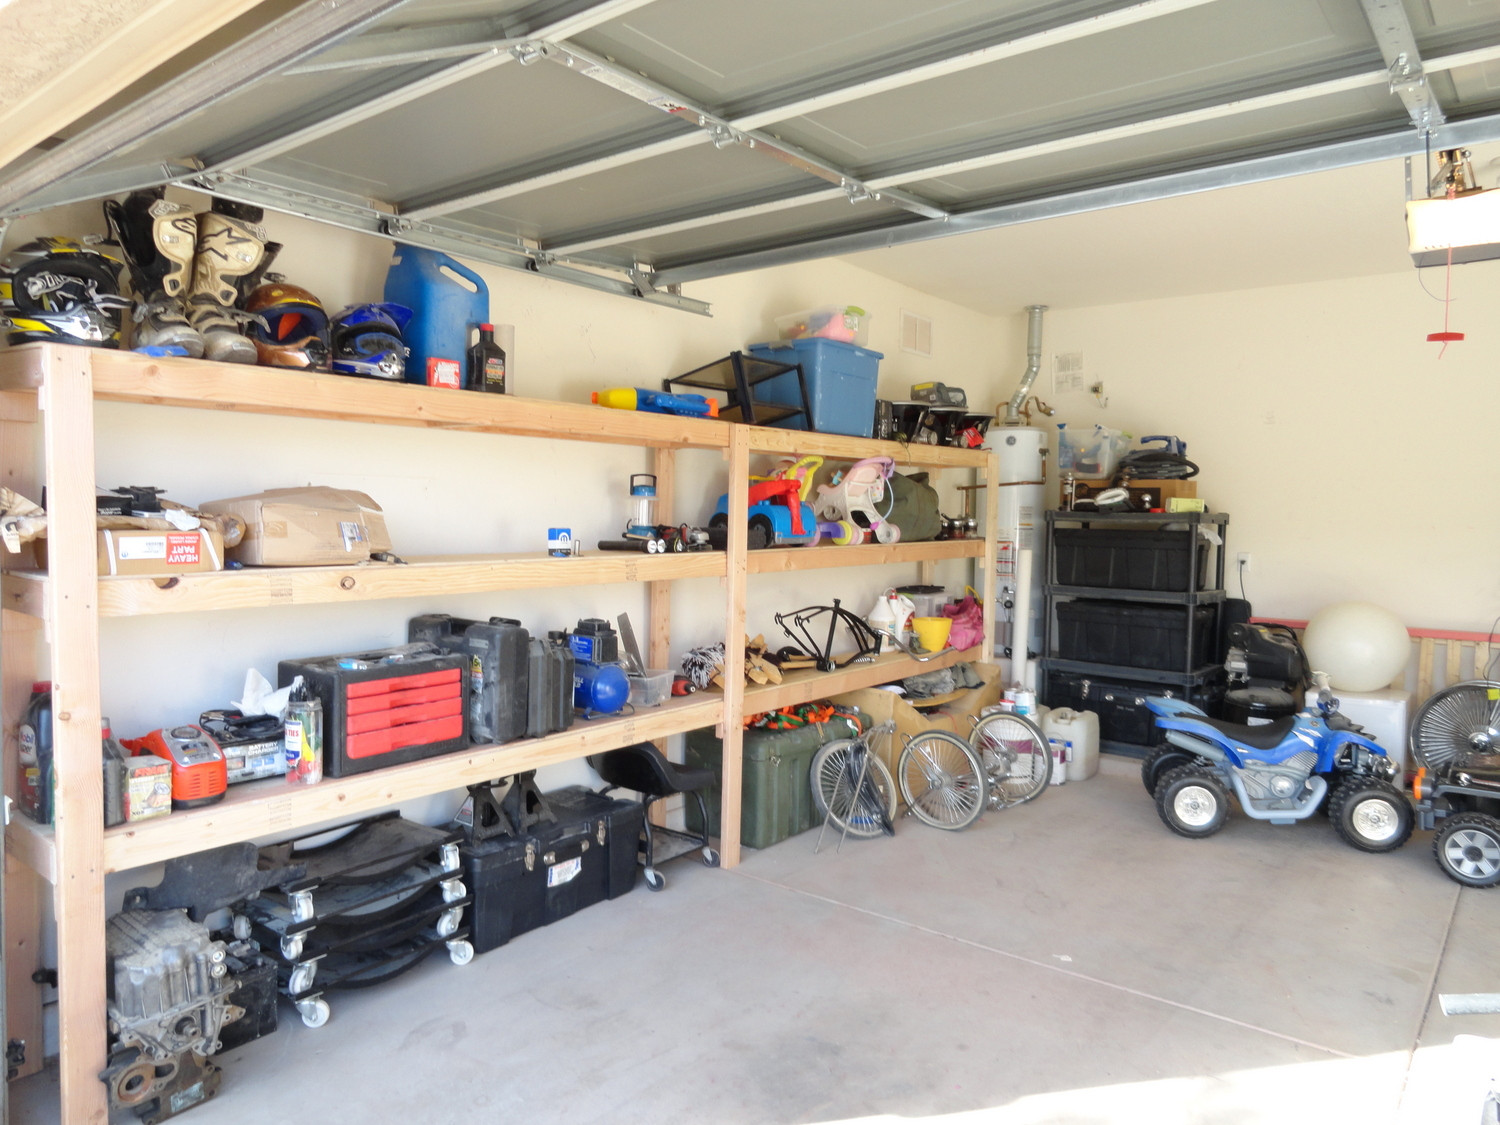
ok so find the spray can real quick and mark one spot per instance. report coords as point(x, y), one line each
point(303, 732)
point(36, 783)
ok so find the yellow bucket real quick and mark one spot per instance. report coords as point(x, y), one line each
point(932, 632)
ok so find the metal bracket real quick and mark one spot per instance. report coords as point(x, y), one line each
point(529, 52)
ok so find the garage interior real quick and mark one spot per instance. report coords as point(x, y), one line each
point(1208, 196)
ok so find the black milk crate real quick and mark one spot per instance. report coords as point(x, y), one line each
point(1133, 635)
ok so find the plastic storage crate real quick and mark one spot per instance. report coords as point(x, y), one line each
point(1122, 559)
point(840, 378)
point(1133, 636)
point(776, 794)
point(1121, 704)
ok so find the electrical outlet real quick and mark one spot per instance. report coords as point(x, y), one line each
point(1244, 562)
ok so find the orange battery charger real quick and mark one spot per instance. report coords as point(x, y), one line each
point(199, 773)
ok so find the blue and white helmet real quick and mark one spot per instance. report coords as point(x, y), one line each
point(367, 341)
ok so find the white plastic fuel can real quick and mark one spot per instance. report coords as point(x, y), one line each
point(1079, 731)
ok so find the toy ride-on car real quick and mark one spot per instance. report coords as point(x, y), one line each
point(1455, 743)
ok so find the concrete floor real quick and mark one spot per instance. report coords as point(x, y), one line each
point(1070, 961)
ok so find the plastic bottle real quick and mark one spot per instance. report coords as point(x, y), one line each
point(447, 299)
point(36, 784)
point(303, 733)
point(486, 367)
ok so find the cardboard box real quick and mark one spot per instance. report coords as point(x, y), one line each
point(138, 552)
point(879, 705)
point(148, 787)
point(313, 526)
point(1160, 491)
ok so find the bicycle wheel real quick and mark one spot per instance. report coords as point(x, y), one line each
point(1460, 720)
point(1017, 759)
point(835, 774)
point(942, 780)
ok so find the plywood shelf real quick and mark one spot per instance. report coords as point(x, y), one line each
point(264, 587)
point(260, 809)
point(843, 448)
point(783, 560)
point(799, 687)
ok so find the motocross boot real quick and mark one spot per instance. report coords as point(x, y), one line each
point(158, 239)
point(232, 255)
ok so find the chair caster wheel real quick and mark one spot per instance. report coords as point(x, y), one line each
point(710, 858)
point(655, 880)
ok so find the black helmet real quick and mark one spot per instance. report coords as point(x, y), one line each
point(367, 341)
point(59, 290)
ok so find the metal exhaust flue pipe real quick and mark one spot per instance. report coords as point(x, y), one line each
point(1033, 365)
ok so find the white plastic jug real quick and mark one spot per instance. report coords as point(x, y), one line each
point(1079, 730)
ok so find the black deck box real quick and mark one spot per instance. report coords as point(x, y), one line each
point(552, 867)
point(1121, 704)
point(1128, 559)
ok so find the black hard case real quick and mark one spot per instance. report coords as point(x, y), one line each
point(521, 881)
point(1121, 704)
point(550, 705)
point(497, 653)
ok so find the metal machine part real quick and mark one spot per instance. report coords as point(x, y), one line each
point(1033, 364)
point(169, 989)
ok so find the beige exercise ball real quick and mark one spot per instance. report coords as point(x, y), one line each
point(1361, 646)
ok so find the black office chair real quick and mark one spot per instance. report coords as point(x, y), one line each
point(643, 769)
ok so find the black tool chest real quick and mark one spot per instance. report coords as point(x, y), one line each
point(532, 858)
point(373, 903)
point(1134, 603)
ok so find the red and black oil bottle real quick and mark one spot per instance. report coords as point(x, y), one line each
point(486, 369)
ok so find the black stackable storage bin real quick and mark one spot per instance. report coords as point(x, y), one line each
point(1133, 635)
point(555, 854)
point(1128, 558)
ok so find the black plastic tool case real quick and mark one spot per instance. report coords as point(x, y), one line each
point(550, 705)
point(555, 854)
point(497, 653)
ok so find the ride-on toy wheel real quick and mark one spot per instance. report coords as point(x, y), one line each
point(1467, 848)
point(1370, 815)
point(1192, 802)
point(1161, 760)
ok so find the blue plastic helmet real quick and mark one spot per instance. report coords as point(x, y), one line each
point(367, 341)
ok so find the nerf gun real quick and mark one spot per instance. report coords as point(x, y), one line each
point(657, 402)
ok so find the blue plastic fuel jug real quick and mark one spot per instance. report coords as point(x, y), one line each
point(447, 299)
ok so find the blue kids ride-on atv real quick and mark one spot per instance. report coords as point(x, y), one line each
point(1281, 771)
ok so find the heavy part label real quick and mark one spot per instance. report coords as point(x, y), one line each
point(444, 373)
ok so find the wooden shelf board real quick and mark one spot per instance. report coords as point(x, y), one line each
point(799, 687)
point(198, 384)
point(260, 587)
point(778, 560)
point(769, 440)
point(259, 809)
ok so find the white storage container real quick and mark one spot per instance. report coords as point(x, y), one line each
point(1385, 715)
point(1078, 732)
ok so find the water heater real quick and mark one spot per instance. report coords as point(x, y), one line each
point(1022, 451)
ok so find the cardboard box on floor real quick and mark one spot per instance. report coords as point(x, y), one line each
point(313, 526)
point(879, 705)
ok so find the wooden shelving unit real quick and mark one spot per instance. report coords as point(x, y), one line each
point(47, 397)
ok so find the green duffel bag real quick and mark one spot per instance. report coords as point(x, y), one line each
point(914, 507)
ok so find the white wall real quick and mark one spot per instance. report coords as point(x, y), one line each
point(1354, 463)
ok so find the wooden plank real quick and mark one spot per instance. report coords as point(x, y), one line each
point(129, 377)
point(263, 587)
point(31, 845)
point(736, 589)
point(767, 439)
point(1424, 668)
point(271, 808)
point(78, 894)
point(1454, 653)
point(1481, 660)
point(787, 560)
point(28, 875)
point(799, 687)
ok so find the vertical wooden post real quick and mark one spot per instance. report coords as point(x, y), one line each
point(20, 665)
point(989, 586)
point(734, 644)
point(659, 594)
point(67, 404)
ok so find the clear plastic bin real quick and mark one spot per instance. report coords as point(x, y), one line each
point(846, 323)
point(653, 689)
point(1091, 453)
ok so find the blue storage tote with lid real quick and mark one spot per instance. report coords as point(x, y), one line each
point(840, 379)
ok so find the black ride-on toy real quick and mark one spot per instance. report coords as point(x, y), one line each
point(1455, 741)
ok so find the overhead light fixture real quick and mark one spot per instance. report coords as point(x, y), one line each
point(1459, 218)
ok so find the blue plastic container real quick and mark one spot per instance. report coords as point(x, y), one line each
point(447, 300)
point(840, 379)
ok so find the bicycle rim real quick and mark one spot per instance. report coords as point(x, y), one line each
point(1017, 759)
point(835, 774)
point(942, 780)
